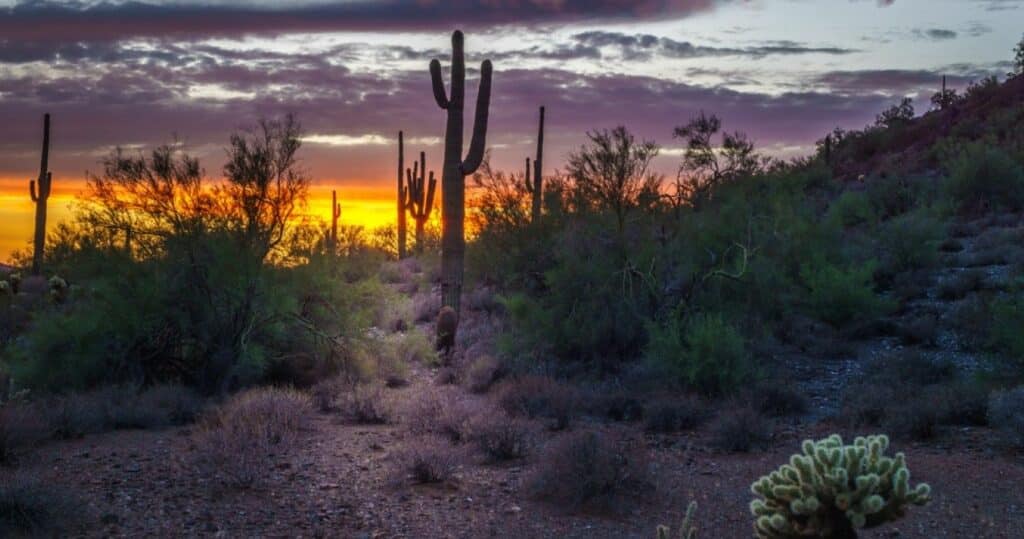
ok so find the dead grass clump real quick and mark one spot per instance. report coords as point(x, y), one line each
point(588, 470)
point(741, 430)
point(427, 461)
point(366, 405)
point(501, 437)
point(238, 443)
point(541, 397)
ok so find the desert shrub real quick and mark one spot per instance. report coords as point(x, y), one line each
point(960, 285)
point(426, 461)
point(839, 296)
point(707, 354)
point(482, 373)
point(425, 307)
point(922, 329)
point(959, 403)
point(442, 413)
point(365, 405)
point(22, 426)
point(483, 299)
point(912, 369)
point(1006, 415)
point(915, 419)
point(238, 442)
point(30, 507)
point(741, 429)
point(394, 273)
point(983, 176)
point(586, 469)
point(892, 195)
point(777, 399)
point(866, 404)
point(536, 396)
point(674, 415)
point(501, 437)
point(951, 245)
point(410, 347)
point(324, 394)
point(395, 314)
point(614, 403)
point(446, 376)
point(1005, 335)
point(833, 490)
point(909, 242)
point(851, 209)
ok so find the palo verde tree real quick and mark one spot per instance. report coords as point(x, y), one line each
point(39, 190)
point(704, 166)
point(612, 172)
point(453, 178)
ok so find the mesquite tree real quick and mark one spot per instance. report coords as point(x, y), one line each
point(39, 190)
point(535, 186)
point(421, 196)
point(403, 196)
point(453, 179)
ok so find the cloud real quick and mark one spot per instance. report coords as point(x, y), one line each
point(935, 34)
point(74, 21)
point(645, 46)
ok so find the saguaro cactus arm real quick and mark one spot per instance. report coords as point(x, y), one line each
point(438, 82)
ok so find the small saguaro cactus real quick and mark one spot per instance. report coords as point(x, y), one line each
point(403, 196)
point(332, 243)
point(453, 177)
point(832, 490)
point(39, 190)
point(687, 529)
point(534, 179)
point(421, 196)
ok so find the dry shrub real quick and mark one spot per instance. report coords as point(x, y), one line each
point(674, 415)
point(446, 376)
point(427, 460)
point(425, 307)
point(324, 394)
point(741, 429)
point(535, 397)
point(776, 399)
point(1006, 415)
point(237, 443)
point(394, 273)
point(366, 405)
point(22, 426)
point(30, 507)
point(482, 373)
point(588, 470)
point(482, 299)
point(441, 413)
point(501, 437)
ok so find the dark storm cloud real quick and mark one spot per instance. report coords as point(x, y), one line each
point(71, 21)
point(889, 82)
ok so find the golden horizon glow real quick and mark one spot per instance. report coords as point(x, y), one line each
point(369, 206)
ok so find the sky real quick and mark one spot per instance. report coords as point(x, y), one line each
point(137, 74)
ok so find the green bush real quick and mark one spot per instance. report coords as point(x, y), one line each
point(909, 242)
point(840, 296)
point(707, 354)
point(1005, 334)
point(852, 208)
point(984, 176)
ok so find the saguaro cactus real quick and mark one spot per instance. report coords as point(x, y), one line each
point(39, 190)
point(421, 196)
point(534, 179)
point(453, 181)
point(335, 215)
point(403, 196)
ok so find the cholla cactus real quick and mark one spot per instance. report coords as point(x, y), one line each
point(15, 281)
point(832, 490)
point(58, 289)
point(687, 530)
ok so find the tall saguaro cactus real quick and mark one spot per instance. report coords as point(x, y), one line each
point(421, 196)
point(534, 179)
point(453, 178)
point(403, 196)
point(39, 190)
point(335, 215)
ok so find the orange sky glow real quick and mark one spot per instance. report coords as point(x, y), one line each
point(367, 206)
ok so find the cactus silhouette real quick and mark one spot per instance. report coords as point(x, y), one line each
point(453, 181)
point(332, 242)
point(403, 196)
point(421, 196)
point(39, 190)
point(832, 490)
point(534, 180)
point(687, 529)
